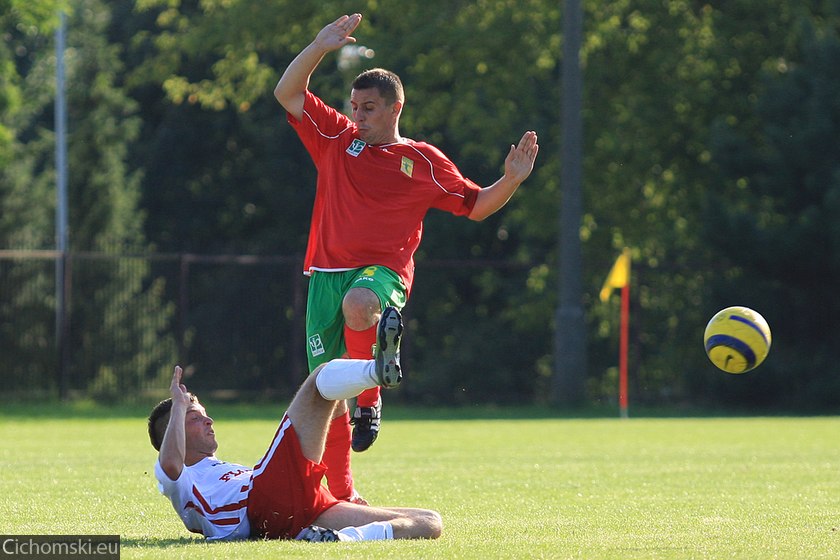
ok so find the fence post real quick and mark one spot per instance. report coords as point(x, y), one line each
point(64, 270)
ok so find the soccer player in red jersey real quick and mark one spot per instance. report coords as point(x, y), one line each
point(373, 190)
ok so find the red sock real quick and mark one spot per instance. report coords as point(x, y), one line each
point(360, 347)
point(368, 398)
point(337, 458)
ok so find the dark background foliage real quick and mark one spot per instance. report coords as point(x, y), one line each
point(711, 134)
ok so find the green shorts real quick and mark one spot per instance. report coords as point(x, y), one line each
point(324, 318)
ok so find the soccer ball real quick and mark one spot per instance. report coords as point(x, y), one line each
point(737, 339)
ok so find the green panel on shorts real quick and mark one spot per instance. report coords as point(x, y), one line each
point(324, 319)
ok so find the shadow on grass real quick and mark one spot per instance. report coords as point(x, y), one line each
point(152, 542)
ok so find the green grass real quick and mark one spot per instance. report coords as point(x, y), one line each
point(527, 487)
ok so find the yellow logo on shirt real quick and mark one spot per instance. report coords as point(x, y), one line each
point(407, 166)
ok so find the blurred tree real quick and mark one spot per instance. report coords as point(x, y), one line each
point(119, 339)
point(214, 139)
point(22, 22)
point(665, 82)
point(773, 220)
point(653, 100)
point(27, 195)
point(120, 335)
point(24, 220)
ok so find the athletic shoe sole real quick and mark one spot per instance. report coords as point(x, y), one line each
point(313, 533)
point(387, 356)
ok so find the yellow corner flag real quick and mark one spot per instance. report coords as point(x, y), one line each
point(619, 275)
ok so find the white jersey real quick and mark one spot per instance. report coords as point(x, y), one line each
point(210, 497)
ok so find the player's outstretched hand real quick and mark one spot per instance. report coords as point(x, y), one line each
point(520, 160)
point(337, 34)
point(178, 390)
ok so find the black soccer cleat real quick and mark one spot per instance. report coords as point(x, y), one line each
point(313, 533)
point(387, 355)
point(365, 426)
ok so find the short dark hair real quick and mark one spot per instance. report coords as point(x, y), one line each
point(386, 82)
point(159, 420)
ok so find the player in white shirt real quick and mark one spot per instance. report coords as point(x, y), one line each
point(282, 496)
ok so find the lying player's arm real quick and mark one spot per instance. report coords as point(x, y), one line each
point(173, 448)
point(518, 166)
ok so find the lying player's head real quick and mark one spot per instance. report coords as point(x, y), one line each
point(159, 419)
point(386, 82)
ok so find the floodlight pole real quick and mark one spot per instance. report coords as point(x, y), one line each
point(61, 207)
point(570, 359)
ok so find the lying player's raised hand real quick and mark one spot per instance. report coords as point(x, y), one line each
point(178, 390)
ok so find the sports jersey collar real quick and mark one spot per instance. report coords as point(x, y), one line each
point(400, 142)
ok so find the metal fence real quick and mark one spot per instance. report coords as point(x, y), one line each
point(236, 323)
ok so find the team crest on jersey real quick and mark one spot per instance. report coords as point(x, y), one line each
point(407, 166)
point(356, 147)
point(316, 347)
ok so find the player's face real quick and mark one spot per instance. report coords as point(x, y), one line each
point(199, 430)
point(374, 116)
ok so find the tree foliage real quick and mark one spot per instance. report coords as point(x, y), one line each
point(22, 21)
point(708, 150)
point(773, 222)
point(113, 342)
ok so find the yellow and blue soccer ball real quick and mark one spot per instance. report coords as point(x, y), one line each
point(737, 339)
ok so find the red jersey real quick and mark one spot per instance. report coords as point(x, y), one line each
point(371, 200)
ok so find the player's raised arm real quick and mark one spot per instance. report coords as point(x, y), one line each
point(173, 448)
point(518, 166)
point(290, 90)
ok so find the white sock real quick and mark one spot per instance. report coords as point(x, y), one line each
point(376, 531)
point(345, 379)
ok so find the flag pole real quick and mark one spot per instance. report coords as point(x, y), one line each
point(622, 355)
point(619, 277)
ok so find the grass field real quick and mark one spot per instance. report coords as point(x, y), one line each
point(520, 487)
